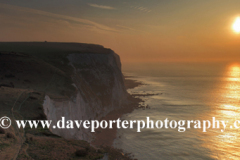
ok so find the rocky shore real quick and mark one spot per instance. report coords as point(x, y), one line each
point(105, 137)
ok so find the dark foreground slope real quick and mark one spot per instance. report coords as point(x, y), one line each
point(50, 80)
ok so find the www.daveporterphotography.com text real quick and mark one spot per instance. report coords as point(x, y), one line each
point(148, 123)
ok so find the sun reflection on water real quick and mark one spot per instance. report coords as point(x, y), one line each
point(227, 143)
point(233, 86)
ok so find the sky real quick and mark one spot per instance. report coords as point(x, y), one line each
point(137, 30)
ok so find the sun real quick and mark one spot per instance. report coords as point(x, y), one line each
point(236, 25)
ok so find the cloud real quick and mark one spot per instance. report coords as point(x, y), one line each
point(33, 13)
point(132, 30)
point(124, 27)
point(143, 9)
point(101, 6)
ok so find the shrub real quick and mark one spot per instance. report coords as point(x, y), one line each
point(10, 135)
point(81, 152)
point(2, 131)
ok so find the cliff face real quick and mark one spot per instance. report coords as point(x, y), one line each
point(53, 80)
point(100, 89)
point(80, 81)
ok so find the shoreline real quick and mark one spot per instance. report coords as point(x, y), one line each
point(28, 77)
point(106, 137)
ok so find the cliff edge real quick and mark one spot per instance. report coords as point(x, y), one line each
point(43, 80)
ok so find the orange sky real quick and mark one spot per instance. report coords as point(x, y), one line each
point(138, 31)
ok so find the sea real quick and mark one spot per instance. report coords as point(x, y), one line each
point(184, 91)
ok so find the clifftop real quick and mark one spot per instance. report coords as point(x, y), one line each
point(54, 80)
point(52, 47)
point(54, 53)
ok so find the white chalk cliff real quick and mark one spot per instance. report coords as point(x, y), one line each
point(100, 89)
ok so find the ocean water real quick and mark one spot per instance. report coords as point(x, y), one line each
point(184, 92)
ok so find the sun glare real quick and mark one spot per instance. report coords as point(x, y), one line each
point(236, 25)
